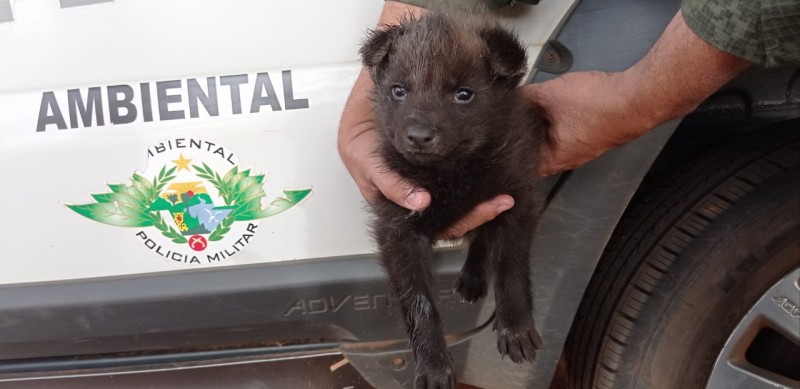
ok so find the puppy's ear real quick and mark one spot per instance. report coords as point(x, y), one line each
point(377, 47)
point(506, 56)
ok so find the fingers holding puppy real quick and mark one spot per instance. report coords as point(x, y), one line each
point(358, 137)
point(358, 140)
point(483, 213)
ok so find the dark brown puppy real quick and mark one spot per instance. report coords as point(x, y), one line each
point(453, 122)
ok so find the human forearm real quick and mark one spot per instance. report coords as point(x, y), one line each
point(676, 75)
point(592, 112)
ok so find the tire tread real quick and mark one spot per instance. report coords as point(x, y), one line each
point(653, 233)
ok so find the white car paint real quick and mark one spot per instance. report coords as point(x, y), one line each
point(47, 48)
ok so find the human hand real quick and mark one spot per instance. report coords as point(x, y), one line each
point(357, 148)
point(592, 112)
point(589, 113)
point(358, 135)
point(481, 214)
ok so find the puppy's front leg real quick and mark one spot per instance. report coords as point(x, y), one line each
point(508, 241)
point(406, 255)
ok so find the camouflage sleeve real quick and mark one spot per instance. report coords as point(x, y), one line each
point(459, 3)
point(765, 32)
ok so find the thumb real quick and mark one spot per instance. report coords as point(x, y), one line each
point(402, 192)
point(540, 95)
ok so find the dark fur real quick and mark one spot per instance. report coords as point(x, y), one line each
point(481, 148)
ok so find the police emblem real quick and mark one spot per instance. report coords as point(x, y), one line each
point(193, 204)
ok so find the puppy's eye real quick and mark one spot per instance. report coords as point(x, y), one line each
point(464, 95)
point(398, 92)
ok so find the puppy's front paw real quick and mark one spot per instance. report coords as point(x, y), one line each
point(519, 342)
point(435, 375)
point(471, 286)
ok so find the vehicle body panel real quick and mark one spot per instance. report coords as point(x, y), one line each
point(78, 294)
point(161, 54)
point(81, 298)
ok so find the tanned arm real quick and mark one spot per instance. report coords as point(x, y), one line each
point(592, 112)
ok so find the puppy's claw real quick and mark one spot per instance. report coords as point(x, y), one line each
point(519, 344)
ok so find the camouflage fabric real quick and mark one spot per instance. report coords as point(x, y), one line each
point(459, 3)
point(765, 32)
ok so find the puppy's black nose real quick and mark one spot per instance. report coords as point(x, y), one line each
point(420, 136)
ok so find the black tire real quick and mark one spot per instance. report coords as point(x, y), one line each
point(686, 263)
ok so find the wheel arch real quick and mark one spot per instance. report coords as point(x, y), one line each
point(754, 100)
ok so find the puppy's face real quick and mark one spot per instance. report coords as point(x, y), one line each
point(440, 83)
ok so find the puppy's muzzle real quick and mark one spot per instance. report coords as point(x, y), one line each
point(420, 138)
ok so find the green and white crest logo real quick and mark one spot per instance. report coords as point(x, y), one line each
point(193, 204)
